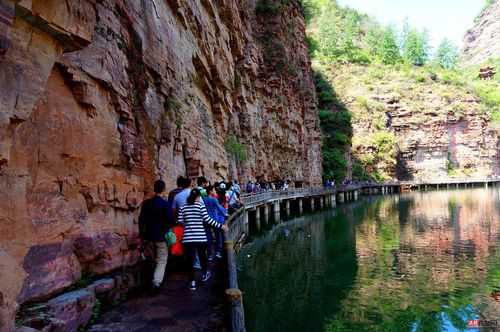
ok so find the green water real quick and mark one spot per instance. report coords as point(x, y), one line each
point(414, 262)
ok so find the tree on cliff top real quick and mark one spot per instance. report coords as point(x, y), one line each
point(342, 34)
point(447, 54)
point(415, 46)
point(383, 44)
point(338, 34)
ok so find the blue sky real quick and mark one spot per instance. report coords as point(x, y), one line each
point(442, 18)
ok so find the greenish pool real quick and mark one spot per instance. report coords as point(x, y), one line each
point(414, 262)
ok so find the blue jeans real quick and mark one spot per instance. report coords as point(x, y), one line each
point(217, 234)
point(219, 239)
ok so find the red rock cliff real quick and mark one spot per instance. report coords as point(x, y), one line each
point(481, 41)
point(99, 98)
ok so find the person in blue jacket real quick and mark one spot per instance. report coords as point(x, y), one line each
point(219, 214)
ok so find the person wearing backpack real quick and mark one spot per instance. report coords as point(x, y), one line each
point(154, 224)
point(233, 200)
point(193, 215)
point(176, 250)
point(171, 197)
point(219, 214)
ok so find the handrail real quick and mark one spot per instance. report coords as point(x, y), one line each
point(233, 294)
point(450, 181)
point(252, 199)
point(237, 223)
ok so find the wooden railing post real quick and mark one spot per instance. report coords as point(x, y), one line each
point(234, 296)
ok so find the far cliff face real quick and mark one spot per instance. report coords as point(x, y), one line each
point(100, 98)
point(415, 125)
point(483, 40)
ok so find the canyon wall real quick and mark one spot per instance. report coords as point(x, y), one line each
point(100, 98)
point(416, 125)
point(481, 41)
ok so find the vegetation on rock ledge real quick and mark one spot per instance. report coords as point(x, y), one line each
point(376, 69)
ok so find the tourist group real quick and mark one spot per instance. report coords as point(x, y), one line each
point(189, 223)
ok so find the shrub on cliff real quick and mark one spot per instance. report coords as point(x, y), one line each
point(235, 148)
point(270, 7)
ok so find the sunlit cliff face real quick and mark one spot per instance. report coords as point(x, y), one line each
point(100, 98)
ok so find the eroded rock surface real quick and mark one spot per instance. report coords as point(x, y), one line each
point(418, 127)
point(99, 98)
point(481, 42)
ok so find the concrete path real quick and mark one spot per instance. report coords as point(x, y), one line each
point(175, 309)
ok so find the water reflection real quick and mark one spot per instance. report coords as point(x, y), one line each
point(415, 262)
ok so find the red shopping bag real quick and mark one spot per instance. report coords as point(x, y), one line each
point(176, 249)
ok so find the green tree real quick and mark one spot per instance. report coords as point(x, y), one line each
point(335, 121)
point(339, 34)
point(415, 47)
point(389, 50)
point(447, 54)
point(373, 37)
point(383, 44)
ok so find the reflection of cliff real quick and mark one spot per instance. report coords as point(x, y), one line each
point(295, 276)
point(465, 222)
point(437, 259)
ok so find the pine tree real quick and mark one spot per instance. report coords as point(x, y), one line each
point(389, 50)
point(339, 34)
point(447, 54)
point(416, 47)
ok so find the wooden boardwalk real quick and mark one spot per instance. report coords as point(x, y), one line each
point(174, 309)
point(205, 310)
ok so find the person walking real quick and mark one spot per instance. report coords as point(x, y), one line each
point(236, 188)
point(202, 183)
point(154, 224)
point(171, 196)
point(233, 201)
point(219, 214)
point(221, 194)
point(194, 216)
point(180, 198)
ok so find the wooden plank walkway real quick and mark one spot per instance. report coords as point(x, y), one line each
point(175, 309)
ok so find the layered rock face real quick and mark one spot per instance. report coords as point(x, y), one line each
point(481, 42)
point(100, 98)
point(443, 142)
point(416, 126)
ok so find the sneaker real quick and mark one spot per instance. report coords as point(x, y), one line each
point(197, 265)
point(210, 258)
point(206, 276)
point(192, 285)
point(218, 255)
point(155, 290)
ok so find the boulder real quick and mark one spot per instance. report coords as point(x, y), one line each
point(65, 313)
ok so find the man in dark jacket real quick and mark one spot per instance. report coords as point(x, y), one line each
point(153, 225)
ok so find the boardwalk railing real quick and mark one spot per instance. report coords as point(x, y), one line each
point(238, 227)
point(237, 232)
point(250, 200)
point(450, 181)
point(234, 295)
